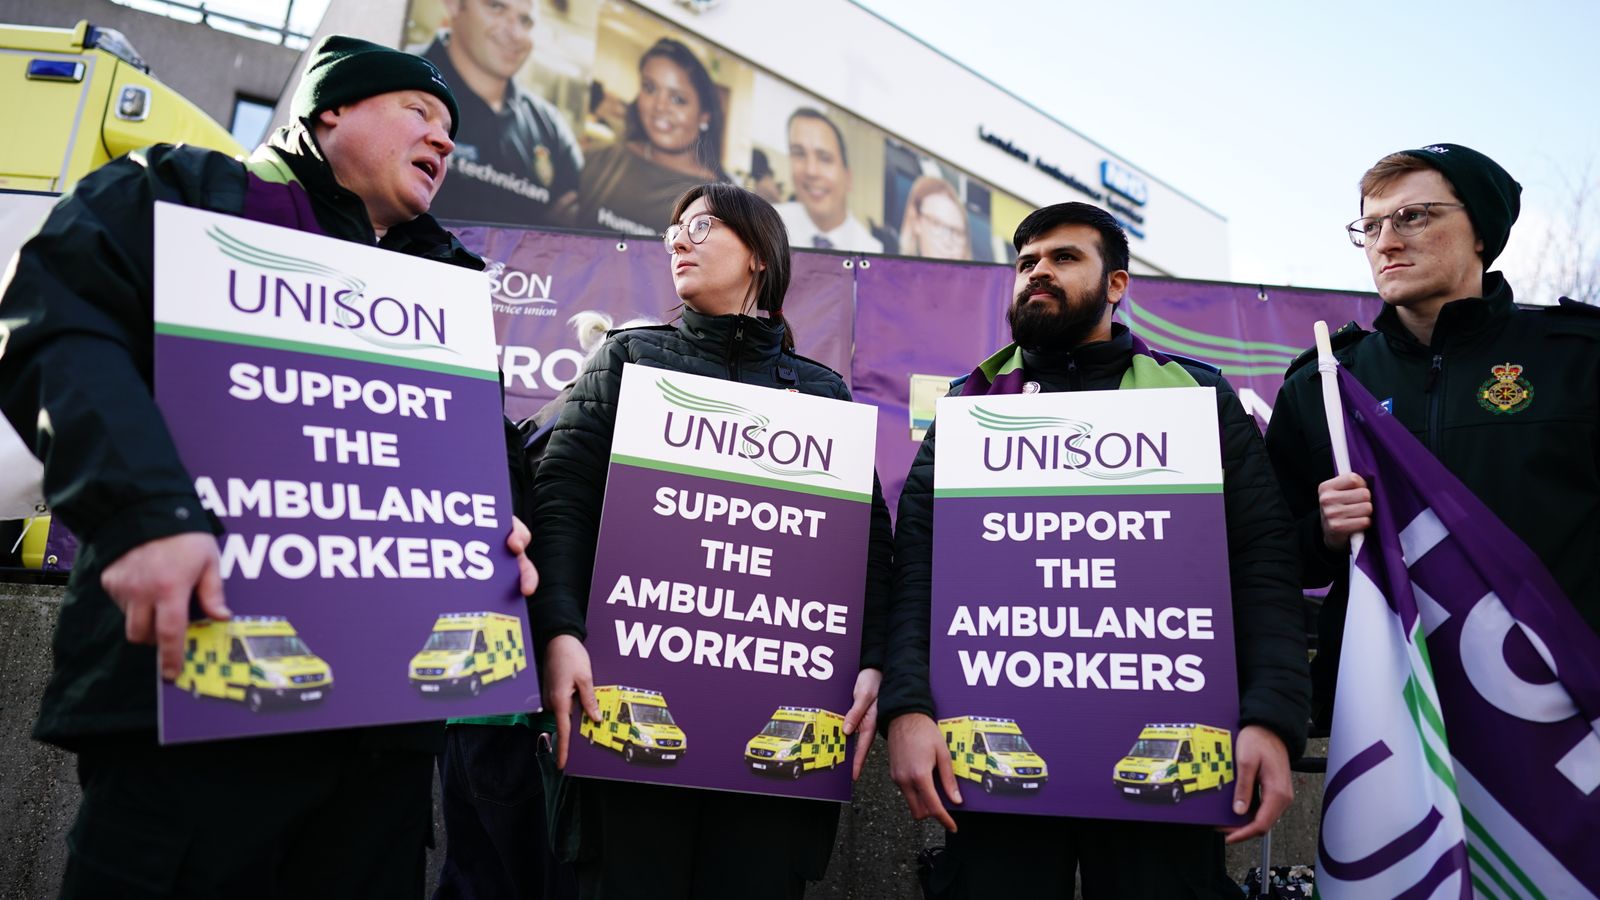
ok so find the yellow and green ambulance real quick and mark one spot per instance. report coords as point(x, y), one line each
point(798, 739)
point(466, 651)
point(258, 660)
point(74, 98)
point(1170, 760)
point(636, 723)
point(993, 752)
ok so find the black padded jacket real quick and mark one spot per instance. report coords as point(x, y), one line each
point(572, 475)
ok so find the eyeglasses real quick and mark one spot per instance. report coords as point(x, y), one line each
point(698, 228)
point(1406, 220)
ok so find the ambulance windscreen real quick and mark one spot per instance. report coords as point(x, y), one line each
point(650, 715)
point(1006, 743)
point(1151, 749)
point(448, 640)
point(276, 646)
point(789, 731)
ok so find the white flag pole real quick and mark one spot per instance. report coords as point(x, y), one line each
point(1333, 408)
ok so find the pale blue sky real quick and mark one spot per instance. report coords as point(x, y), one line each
point(1268, 112)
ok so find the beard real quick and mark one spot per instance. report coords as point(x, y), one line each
point(1060, 326)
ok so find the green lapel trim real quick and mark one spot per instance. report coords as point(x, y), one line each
point(269, 167)
point(1145, 372)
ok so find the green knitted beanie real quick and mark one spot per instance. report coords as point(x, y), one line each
point(345, 70)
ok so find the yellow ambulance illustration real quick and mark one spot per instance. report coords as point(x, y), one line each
point(1171, 760)
point(636, 723)
point(798, 739)
point(993, 752)
point(466, 651)
point(259, 660)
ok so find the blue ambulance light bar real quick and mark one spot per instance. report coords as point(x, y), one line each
point(69, 70)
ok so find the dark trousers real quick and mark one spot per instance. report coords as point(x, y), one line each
point(652, 842)
point(497, 843)
point(313, 815)
point(997, 855)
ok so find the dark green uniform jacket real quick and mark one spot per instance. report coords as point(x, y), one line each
point(75, 381)
point(1269, 631)
point(1528, 449)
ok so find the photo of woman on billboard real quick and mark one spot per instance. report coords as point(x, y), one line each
point(935, 222)
point(673, 142)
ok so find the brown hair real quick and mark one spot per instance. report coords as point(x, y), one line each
point(1387, 171)
point(760, 229)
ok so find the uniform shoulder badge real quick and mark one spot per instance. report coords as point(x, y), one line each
point(1507, 392)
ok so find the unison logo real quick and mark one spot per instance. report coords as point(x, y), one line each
point(515, 287)
point(323, 295)
point(1068, 444)
point(727, 429)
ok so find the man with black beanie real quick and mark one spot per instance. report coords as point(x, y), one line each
point(1504, 397)
point(341, 813)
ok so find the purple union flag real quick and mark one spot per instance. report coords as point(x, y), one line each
point(1464, 759)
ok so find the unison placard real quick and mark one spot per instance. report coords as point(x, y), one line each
point(1082, 654)
point(338, 408)
point(726, 607)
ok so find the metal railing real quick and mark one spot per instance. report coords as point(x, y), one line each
point(278, 33)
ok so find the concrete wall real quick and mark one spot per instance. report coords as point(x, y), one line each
point(207, 66)
point(874, 859)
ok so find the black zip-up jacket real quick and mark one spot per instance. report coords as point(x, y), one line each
point(1269, 632)
point(76, 362)
point(571, 485)
point(1536, 465)
point(572, 475)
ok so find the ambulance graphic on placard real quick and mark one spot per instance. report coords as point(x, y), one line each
point(1170, 760)
point(993, 752)
point(258, 660)
point(798, 739)
point(466, 651)
point(636, 723)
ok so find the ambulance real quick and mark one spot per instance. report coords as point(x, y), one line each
point(258, 660)
point(1171, 760)
point(993, 752)
point(75, 98)
point(466, 651)
point(636, 723)
point(798, 739)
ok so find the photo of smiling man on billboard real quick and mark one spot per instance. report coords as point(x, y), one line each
point(516, 160)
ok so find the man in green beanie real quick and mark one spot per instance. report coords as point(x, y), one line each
point(1504, 397)
point(342, 813)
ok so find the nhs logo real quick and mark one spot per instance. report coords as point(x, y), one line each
point(1124, 181)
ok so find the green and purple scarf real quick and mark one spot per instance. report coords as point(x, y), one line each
point(1002, 372)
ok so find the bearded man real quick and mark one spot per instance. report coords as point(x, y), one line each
point(1071, 273)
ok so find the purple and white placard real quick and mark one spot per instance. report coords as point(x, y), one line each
point(337, 407)
point(1082, 655)
point(726, 608)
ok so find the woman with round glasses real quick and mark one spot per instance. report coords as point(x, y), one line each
point(672, 143)
point(729, 255)
point(935, 222)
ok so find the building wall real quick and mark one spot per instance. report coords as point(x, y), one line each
point(209, 67)
point(851, 57)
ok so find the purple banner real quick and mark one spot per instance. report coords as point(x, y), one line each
point(916, 317)
point(366, 508)
point(726, 669)
point(1095, 680)
point(540, 279)
point(882, 320)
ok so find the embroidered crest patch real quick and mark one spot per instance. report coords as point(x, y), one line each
point(1507, 392)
